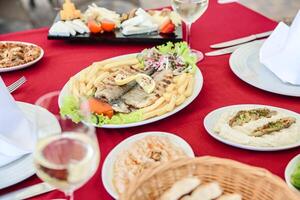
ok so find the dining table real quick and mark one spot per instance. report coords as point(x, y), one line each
point(221, 22)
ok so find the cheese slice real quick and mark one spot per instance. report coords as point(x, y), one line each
point(59, 29)
point(132, 30)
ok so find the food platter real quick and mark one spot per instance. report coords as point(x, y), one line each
point(107, 169)
point(198, 82)
point(245, 64)
point(101, 24)
point(212, 118)
point(117, 37)
point(27, 64)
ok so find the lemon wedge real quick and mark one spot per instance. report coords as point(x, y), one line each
point(122, 79)
point(146, 82)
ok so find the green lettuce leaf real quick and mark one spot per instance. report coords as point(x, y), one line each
point(70, 108)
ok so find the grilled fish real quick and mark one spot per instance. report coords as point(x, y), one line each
point(245, 116)
point(138, 98)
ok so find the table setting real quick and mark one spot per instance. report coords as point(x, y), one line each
point(199, 100)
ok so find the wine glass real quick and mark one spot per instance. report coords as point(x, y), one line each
point(190, 11)
point(69, 158)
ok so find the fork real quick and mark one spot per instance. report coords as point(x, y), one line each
point(11, 88)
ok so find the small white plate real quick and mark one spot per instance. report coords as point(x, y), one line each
point(23, 168)
point(211, 119)
point(107, 169)
point(8, 69)
point(289, 170)
point(198, 86)
point(244, 63)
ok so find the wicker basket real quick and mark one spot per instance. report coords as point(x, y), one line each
point(234, 177)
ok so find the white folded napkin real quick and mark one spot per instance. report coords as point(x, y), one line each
point(280, 53)
point(17, 134)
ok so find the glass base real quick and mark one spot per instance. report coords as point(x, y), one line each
point(198, 54)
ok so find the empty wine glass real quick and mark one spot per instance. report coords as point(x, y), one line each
point(69, 158)
point(190, 11)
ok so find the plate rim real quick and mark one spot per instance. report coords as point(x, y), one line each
point(234, 57)
point(109, 160)
point(289, 167)
point(27, 158)
point(243, 146)
point(25, 65)
point(197, 89)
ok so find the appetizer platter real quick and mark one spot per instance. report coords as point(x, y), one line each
point(101, 24)
point(208, 178)
point(134, 89)
point(292, 174)
point(147, 149)
point(255, 127)
point(16, 55)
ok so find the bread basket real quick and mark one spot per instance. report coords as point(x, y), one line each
point(251, 182)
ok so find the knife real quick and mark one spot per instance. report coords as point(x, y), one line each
point(28, 192)
point(222, 51)
point(241, 40)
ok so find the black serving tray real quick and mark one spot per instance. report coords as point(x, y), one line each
point(118, 37)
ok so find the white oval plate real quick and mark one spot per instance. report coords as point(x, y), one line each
point(107, 169)
point(289, 170)
point(198, 86)
point(23, 168)
point(211, 119)
point(244, 63)
point(8, 69)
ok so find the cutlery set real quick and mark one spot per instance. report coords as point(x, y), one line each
point(232, 45)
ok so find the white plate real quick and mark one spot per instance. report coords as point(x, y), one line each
point(211, 119)
point(23, 168)
point(198, 86)
point(8, 69)
point(244, 63)
point(289, 170)
point(107, 169)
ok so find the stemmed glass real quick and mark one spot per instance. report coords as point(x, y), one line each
point(69, 158)
point(190, 11)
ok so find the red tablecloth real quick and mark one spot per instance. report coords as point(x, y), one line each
point(221, 88)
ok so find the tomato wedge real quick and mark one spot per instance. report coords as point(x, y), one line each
point(94, 27)
point(167, 27)
point(108, 25)
point(99, 107)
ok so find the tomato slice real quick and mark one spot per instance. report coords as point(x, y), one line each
point(94, 26)
point(167, 27)
point(100, 107)
point(107, 25)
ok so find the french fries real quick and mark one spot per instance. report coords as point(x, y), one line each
point(175, 94)
point(132, 61)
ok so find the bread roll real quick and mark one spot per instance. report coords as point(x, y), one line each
point(230, 197)
point(181, 188)
point(206, 192)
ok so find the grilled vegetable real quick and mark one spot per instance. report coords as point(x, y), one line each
point(274, 126)
point(245, 116)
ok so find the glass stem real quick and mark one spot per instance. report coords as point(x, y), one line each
point(69, 195)
point(188, 33)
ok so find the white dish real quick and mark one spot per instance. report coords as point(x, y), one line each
point(198, 86)
point(244, 63)
point(289, 170)
point(211, 119)
point(8, 69)
point(23, 168)
point(107, 169)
